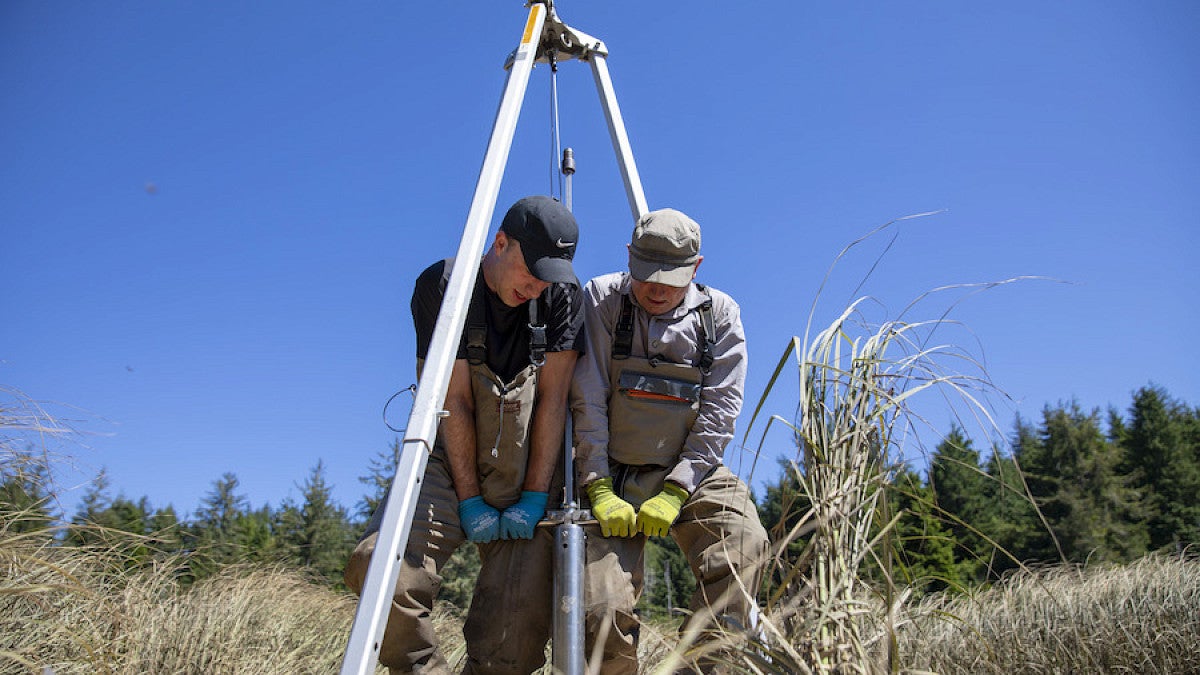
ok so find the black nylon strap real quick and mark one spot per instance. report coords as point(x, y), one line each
point(708, 332)
point(537, 336)
point(622, 345)
point(476, 331)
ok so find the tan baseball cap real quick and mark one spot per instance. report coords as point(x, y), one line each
point(665, 248)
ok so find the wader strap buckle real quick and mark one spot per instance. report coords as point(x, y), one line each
point(537, 336)
point(622, 344)
point(708, 332)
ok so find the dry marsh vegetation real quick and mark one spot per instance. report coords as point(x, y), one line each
point(1139, 618)
point(83, 610)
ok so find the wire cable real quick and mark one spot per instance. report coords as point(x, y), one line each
point(555, 143)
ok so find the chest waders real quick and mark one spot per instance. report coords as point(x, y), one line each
point(503, 410)
point(652, 406)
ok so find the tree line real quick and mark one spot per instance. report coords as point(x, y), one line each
point(1076, 486)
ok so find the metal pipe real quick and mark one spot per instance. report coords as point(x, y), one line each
point(569, 560)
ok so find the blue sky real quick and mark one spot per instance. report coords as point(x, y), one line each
point(213, 213)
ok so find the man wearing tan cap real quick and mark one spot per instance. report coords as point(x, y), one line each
point(654, 400)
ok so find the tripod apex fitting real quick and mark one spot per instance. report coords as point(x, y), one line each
point(559, 41)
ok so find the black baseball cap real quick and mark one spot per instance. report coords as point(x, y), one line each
point(548, 234)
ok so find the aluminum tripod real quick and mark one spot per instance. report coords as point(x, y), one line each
point(544, 35)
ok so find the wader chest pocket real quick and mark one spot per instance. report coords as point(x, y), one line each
point(650, 387)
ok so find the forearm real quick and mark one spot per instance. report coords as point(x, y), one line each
point(458, 432)
point(549, 420)
point(458, 436)
point(545, 442)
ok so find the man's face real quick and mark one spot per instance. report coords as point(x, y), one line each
point(658, 298)
point(514, 283)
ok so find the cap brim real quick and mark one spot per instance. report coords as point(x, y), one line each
point(554, 270)
point(661, 273)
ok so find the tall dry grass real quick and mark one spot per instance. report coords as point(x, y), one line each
point(1139, 618)
point(105, 609)
point(858, 379)
point(83, 610)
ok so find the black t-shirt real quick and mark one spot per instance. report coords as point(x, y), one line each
point(560, 308)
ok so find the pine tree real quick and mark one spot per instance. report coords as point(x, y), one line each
point(1039, 482)
point(1074, 477)
point(212, 537)
point(96, 500)
point(317, 532)
point(165, 530)
point(378, 479)
point(255, 535)
point(959, 485)
point(921, 542)
point(24, 499)
point(1008, 519)
point(1160, 449)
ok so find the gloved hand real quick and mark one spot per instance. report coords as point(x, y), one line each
point(518, 520)
point(658, 512)
point(480, 521)
point(616, 515)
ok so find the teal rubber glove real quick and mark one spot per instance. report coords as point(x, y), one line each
point(518, 520)
point(616, 516)
point(658, 512)
point(480, 521)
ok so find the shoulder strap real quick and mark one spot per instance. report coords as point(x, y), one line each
point(708, 332)
point(537, 335)
point(476, 331)
point(622, 345)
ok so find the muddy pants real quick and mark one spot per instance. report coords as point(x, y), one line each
point(509, 621)
point(718, 531)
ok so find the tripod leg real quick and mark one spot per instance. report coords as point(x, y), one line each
point(370, 619)
point(620, 141)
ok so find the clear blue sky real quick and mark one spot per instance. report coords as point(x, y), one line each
point(212, 213)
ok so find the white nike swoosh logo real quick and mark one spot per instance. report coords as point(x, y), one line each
point(564, 244)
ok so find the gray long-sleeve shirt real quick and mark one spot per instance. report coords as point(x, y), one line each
point(676, 337)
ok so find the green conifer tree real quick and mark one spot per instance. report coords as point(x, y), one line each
point(24, 497)
point(1074, 476)
point(922, 544)
point(1160, 449)
point(317, 531)
point(959, 487)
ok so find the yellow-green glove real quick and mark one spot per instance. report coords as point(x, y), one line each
point(658, 512)
point(616, 515)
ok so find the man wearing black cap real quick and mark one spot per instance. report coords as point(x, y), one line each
point(654, 401)
point(496, 458)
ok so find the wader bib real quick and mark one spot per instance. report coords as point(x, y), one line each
point(503, 410)
point(651, 408)
point(503, 414)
